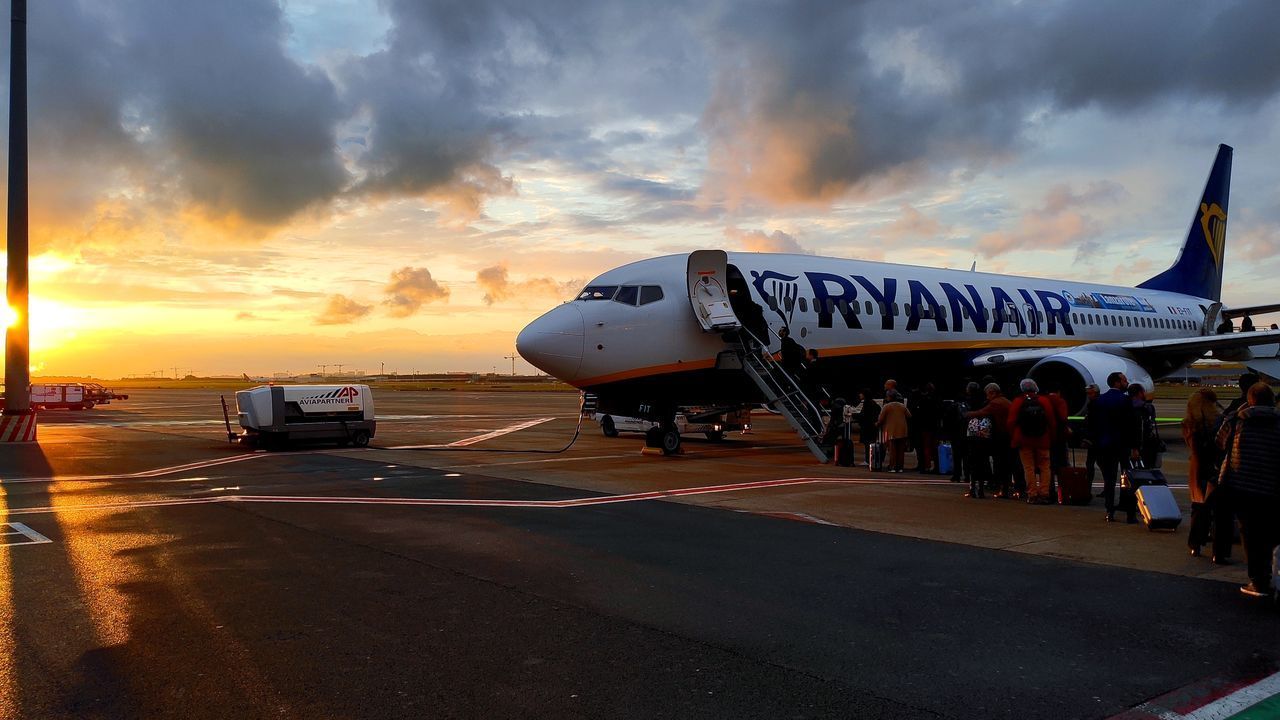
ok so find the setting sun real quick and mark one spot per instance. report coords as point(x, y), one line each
point(10, 316)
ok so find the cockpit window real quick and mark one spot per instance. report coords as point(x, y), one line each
point(627, 294)
point(598, 292)
point(650, 294)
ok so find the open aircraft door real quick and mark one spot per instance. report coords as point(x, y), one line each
point(709, 291)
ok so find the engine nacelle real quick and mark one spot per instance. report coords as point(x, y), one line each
point(1072, 370)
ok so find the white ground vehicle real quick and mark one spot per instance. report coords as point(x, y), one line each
point(273, 415)
point(713, 425)
point(68, 396)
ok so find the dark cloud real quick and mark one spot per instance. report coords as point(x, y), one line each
point(814, 100)
point(409, 289)
point(342, 310)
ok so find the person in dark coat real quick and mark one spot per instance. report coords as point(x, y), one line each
point(868, 414)
point(954, 427)
point(1250, 439)
point(1247, 380)
point(996, 413)
point(791, 354)
point(1117, 427)
point(925, 416)
point(1090, 439)
point(1149, 444)
point(977, 442)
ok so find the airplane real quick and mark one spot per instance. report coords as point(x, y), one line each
point(698, 329)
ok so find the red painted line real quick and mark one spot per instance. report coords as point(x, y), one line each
point(466, 502)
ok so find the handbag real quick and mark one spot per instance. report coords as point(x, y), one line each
point(979, 428)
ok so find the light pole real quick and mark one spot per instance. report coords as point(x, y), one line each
point(19, 423)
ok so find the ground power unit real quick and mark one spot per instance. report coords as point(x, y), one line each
point(275, 415)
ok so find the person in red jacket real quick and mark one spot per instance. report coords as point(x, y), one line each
point(1034, 424)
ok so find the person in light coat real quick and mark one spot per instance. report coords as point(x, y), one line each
point(894, 428)
point(1199, 430)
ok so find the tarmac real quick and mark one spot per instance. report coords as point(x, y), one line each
point(476, 562)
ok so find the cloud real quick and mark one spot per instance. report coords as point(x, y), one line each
point(1061, 221)
point(914, 224)
point(758, 241)
point(809, 106)
point(409, 289)
point(341, 310)
point(497, 286)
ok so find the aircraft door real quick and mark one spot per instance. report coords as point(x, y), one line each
point(709, 290)
point(1033, 319)
point(1012, 320)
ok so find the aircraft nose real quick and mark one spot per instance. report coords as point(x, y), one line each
point(553, 343)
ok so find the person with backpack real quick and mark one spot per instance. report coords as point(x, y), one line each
point(1250, 439)
point(1035, 425)
point(1149, 443)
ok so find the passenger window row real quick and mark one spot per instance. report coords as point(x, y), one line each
point(1141, 321)
point(625, 294)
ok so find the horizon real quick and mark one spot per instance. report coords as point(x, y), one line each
point(246, 187)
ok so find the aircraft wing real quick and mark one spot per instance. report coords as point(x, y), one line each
point(1254, 310)
point(1140, 348)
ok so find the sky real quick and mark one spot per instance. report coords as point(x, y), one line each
point(267, 186)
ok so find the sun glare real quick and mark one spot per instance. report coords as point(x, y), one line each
point(10, 316)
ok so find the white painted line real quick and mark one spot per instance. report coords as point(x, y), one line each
point(158, 472)
point(1237, 701)
point(33, 537)
point(517, 427)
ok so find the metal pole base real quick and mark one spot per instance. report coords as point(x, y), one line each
point(18, 427)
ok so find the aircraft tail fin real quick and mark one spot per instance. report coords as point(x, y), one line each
point(1198, 269)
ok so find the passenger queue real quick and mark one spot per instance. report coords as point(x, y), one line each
point(1023, 448)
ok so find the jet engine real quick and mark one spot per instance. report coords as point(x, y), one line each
point(1072, 370)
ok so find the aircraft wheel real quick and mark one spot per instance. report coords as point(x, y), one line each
point(360, 438)
point(88, 405)
point(670, 441)
point(653, 437)
point(607, 426)
point(715, 435)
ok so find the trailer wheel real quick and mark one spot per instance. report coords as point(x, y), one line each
point(88, 405)
point(360, 438)
point(606, 424)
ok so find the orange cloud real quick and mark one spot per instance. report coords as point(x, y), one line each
point(411, 288)
point(341, 310)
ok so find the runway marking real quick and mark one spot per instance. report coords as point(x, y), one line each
point(517, 427)
point(32, 537)
point(157, 472)
point(1214, 699)
point(467, 502)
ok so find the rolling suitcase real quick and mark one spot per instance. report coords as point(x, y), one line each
point(845, 453)
point(1159, 510)
point(1133, 478)
point(946, 458)
point(878, 452)
point(1073, 484)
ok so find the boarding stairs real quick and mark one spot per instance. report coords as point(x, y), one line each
point(783, 392)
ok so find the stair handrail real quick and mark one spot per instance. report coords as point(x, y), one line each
point(774, 368)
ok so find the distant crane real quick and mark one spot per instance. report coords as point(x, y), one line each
point(512, 358)
point(339, 366)
point(324, 370)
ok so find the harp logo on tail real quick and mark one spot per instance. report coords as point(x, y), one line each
point(1213, 220)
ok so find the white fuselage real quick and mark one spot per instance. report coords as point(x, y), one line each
point(843, 308)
